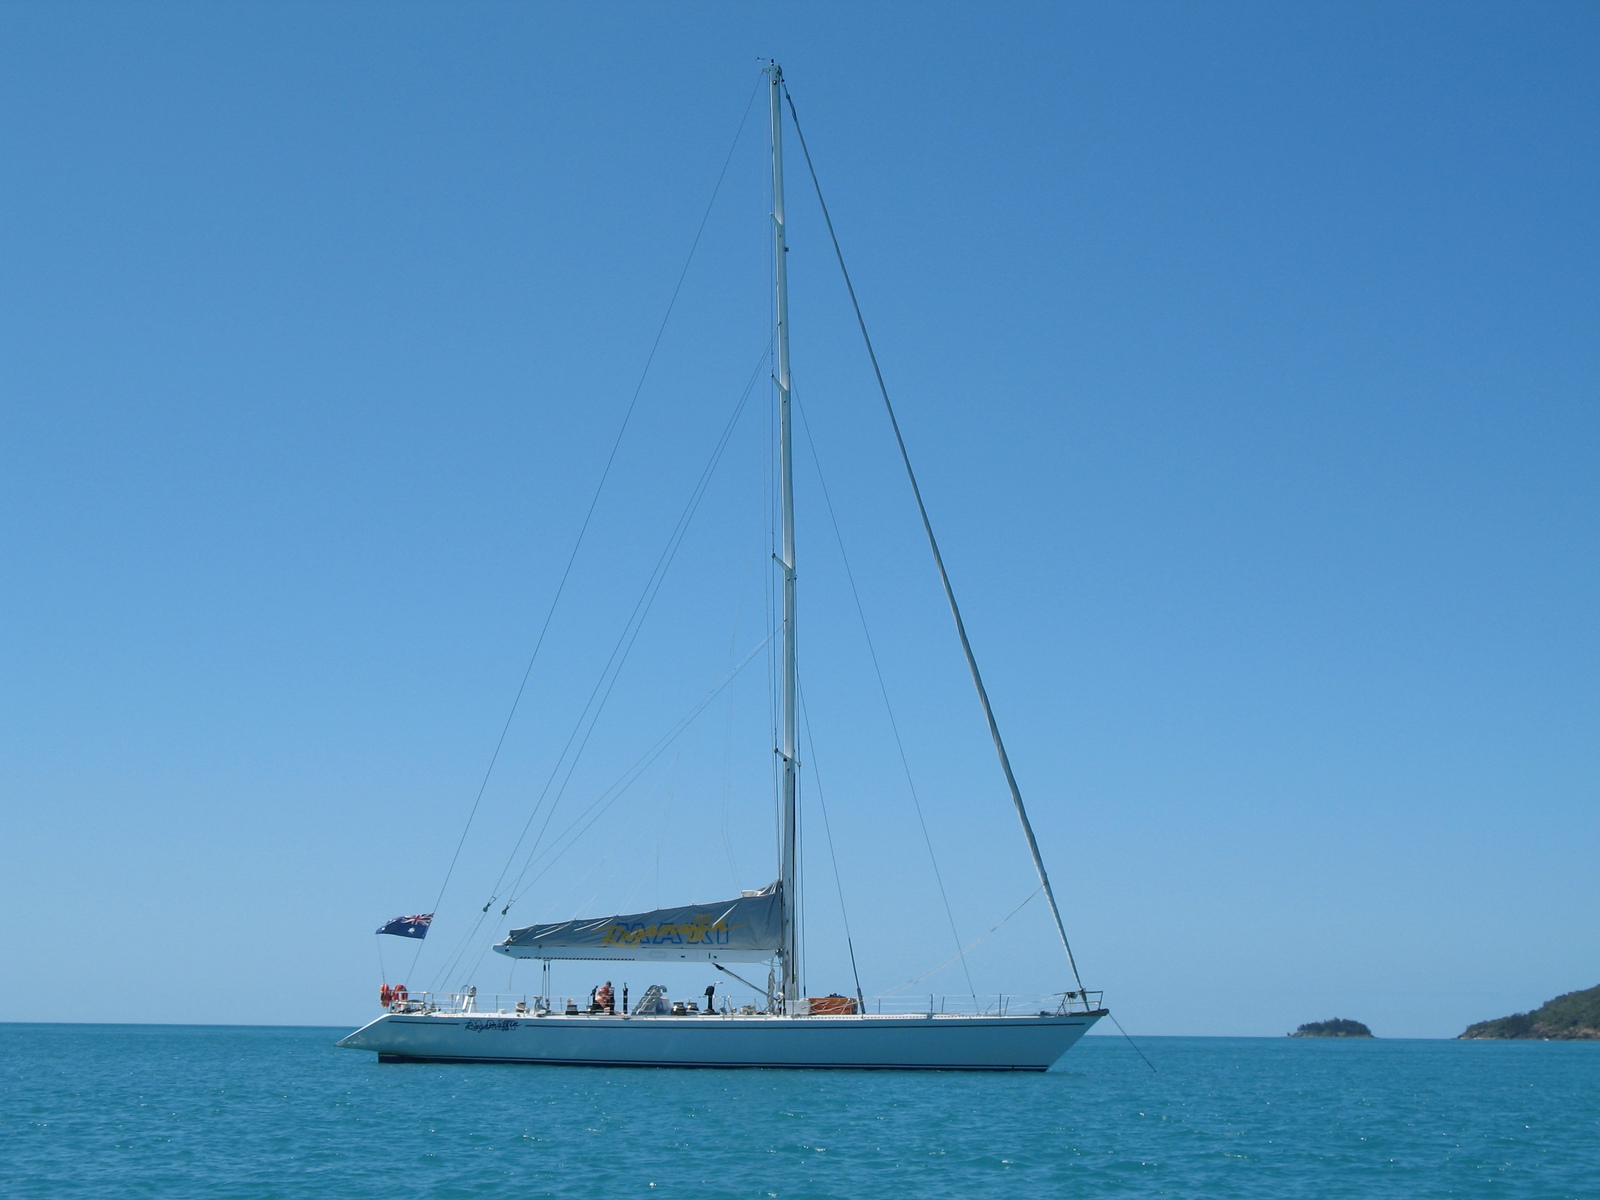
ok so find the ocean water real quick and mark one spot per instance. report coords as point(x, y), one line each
point(224, 1112)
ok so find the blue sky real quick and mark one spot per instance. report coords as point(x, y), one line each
point(1247, 354)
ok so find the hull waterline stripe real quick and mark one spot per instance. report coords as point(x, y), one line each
point(401, 1059)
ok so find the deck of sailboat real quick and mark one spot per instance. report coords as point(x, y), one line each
point(587, 1018)
point(731, 1018)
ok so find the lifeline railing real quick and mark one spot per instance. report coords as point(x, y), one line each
point(987, 1005)
point(502, 1004)
point(469, 1002)
point(928, 1004)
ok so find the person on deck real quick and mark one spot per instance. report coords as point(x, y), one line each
point(605, 999)
point(711, 1004)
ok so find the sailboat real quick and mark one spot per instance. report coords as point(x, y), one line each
point(790, 1029)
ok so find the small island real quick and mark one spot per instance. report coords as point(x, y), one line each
point(1338, 1027)
point(1569, 1018)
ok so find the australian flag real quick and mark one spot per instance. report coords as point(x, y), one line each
point(416, 926)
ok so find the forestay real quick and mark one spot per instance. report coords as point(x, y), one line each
point(749, 929)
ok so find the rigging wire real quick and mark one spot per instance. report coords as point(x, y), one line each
point(735, 874)
point(968, 949)
point(938, 559)
point(827, 828)
point(636, 621)
point(883, 690)
point(595, 500)
point(624, 647)
point(631, 775)
point(607, 798)
point(727, 750)
point(1133, 1043)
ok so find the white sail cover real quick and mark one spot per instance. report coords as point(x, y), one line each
point(748, 929)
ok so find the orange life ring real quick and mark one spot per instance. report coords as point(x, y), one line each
point(385, 994)
point(399, 993)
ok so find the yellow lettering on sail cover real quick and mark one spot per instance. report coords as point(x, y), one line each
point(703, 931)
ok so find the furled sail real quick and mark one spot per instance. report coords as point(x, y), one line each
point(749, 929)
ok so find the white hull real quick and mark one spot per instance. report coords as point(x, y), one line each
point(941, 1043)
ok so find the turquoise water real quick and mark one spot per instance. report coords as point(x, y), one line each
point(218, 1112)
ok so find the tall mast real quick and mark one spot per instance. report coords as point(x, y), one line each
point(788, 875)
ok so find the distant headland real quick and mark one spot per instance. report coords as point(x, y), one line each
point(1572, 1017)
point(1338, 1027)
